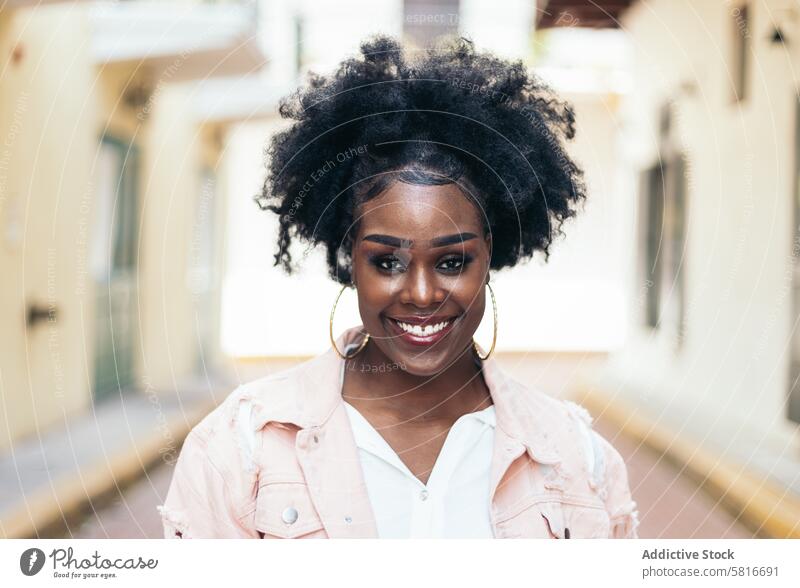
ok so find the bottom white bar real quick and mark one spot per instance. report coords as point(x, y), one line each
point(388, 563)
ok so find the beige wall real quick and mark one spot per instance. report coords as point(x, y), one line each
point(731, 378)
point(176, 150)
point(55, 103)
point(46, 110)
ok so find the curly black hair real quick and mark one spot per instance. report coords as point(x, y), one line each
point(452, 115)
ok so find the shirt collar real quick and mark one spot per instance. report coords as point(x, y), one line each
point(308, 394)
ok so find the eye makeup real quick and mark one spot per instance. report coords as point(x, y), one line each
point(386, 263)
point(462, 262)
point(393, 264)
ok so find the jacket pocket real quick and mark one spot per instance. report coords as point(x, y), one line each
point(571, 521)
point(284, 510)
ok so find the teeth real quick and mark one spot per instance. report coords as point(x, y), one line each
point(423, 332)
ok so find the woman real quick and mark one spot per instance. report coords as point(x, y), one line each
point(418, 177)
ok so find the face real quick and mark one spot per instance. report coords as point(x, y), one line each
point(420, 265)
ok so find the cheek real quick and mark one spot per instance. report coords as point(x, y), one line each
point(469, 295)
point(374, 295)
point(476, 306)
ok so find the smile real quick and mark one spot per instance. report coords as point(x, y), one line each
point(421, 330)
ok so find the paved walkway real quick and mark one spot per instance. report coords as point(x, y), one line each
point(131, 514)
point(45, 478)
point(671, 506)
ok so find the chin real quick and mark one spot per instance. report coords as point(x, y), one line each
point(427, 364)
point(424, 369)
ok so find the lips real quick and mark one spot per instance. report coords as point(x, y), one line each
point(422, 330)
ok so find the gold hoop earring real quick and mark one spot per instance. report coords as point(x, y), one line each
point(330, 332)
point(494, 338)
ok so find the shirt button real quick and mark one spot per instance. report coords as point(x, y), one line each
point(289, 515)
point(423, 495)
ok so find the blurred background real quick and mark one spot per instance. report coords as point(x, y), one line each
point(137, 288)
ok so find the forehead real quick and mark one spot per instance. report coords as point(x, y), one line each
point(413, 210)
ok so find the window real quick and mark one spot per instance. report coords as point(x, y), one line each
point(741, 49)
point(663, 233)
point(652, 207)
point(113, 258)
point(114, 245)
point(793, 404)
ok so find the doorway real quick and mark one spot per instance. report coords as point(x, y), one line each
point(114, 262)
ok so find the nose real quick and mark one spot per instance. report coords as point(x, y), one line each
point(421, 288)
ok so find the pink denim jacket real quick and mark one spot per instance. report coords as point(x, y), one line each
point(277, 459)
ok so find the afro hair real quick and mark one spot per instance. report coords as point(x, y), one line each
point(450, 115)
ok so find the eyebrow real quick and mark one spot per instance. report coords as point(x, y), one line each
point(392, 241)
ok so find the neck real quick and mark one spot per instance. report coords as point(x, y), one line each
point(400, 396)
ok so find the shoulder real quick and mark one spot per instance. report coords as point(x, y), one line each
point(212, 491)
point(288, 396)
point(265, 393)
point(609, 475)
point(216, 451)
point(215, 482)
point(234, 422)
point(587, 455)
point(602, 459)
point(572, 425)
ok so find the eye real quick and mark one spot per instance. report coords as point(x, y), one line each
point(455, 263)
point(388, 264)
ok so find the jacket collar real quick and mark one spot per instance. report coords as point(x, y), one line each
point(308, 394)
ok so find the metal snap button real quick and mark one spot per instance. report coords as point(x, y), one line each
point(289, 515)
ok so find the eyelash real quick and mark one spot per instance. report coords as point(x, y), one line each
point(379, 260)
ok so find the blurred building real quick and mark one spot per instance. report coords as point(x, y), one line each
point(112, 198)
point(711, 136)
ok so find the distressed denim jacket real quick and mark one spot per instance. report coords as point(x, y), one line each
point(277, 459)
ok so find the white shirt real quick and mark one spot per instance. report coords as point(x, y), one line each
point(454, 503)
